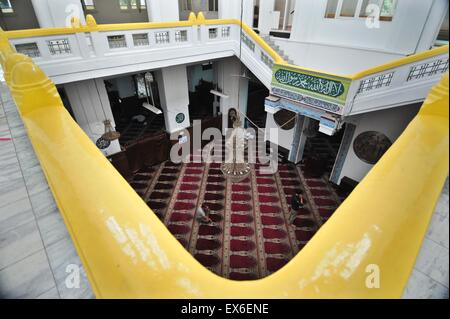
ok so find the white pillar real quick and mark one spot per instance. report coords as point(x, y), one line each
point(231, 9)
point(57, 13)
point(436, 16)
point(299, 140)
point(90, 105)
point(265, 21)
point(160, 11)
point(174, 96)
point(235, 87)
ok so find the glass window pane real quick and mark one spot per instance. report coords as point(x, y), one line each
point(364, 7)
point(123, 4)
point(162, 37)
point(213, 33)
point(349, 8)
point(143, 4)
point(6, 7)
point(388, 9)
point(58, 47)
point(140, 39)
point(331, 9)
point(30, 49)
point(133, 4)
point(117, 41)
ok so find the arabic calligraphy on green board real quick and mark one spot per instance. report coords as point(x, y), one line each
point(321, 86)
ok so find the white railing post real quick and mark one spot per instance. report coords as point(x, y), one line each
point(99, 43)
point(83, 45)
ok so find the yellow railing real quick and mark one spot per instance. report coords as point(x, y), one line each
point(402, 61)
point(92, 26)
point(127, 252)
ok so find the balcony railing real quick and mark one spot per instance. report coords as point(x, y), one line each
point(128, 252)
point(84, 48)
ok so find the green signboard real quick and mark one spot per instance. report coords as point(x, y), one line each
point(321, 86)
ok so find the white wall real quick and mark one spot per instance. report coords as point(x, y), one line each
point(90, 105)
point(333, 58)
point(231, 84)
point(437, 16)
point(159, 11)
point(401, 35)
point(174, 95)
point(57, 13)
point(390, 122)
point(231, 9)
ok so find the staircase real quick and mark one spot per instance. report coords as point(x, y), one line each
point(277, 49)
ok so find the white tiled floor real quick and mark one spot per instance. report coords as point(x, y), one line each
point(430, 277)
point(35, 247)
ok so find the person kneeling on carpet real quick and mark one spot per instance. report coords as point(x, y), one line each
point(297, 202)
point(202, 214)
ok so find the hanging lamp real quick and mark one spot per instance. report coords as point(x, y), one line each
point(110, 134)
point(236, 171)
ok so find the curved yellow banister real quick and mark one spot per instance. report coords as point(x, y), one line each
point(127, 252)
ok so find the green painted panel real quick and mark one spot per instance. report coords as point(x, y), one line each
point(319, 85)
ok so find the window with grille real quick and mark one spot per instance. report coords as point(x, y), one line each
point(123, 4)
point(428, 69)
point(117, 41)
point(213, 33)
point(6, 7)
point(132, 5)
point(347, 8)
point(30, 49)
point(88, 4)
point(226, 32)
point(162, 37)
point(140, 39)
point(58, 47)
point(181, 36)
point(376, 82)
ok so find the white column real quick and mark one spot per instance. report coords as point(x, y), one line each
point(90, 105)
point(433, 24)
point(231, 9)
point(299, 140)
point(159, 10)
point(57, 13)
point(174, 95)
point(265, 21)
point(235, 87)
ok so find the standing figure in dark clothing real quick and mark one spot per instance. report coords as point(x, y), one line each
point(297, 202)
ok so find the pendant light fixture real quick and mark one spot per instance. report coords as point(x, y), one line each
point(236, 171)
point(110, 134)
